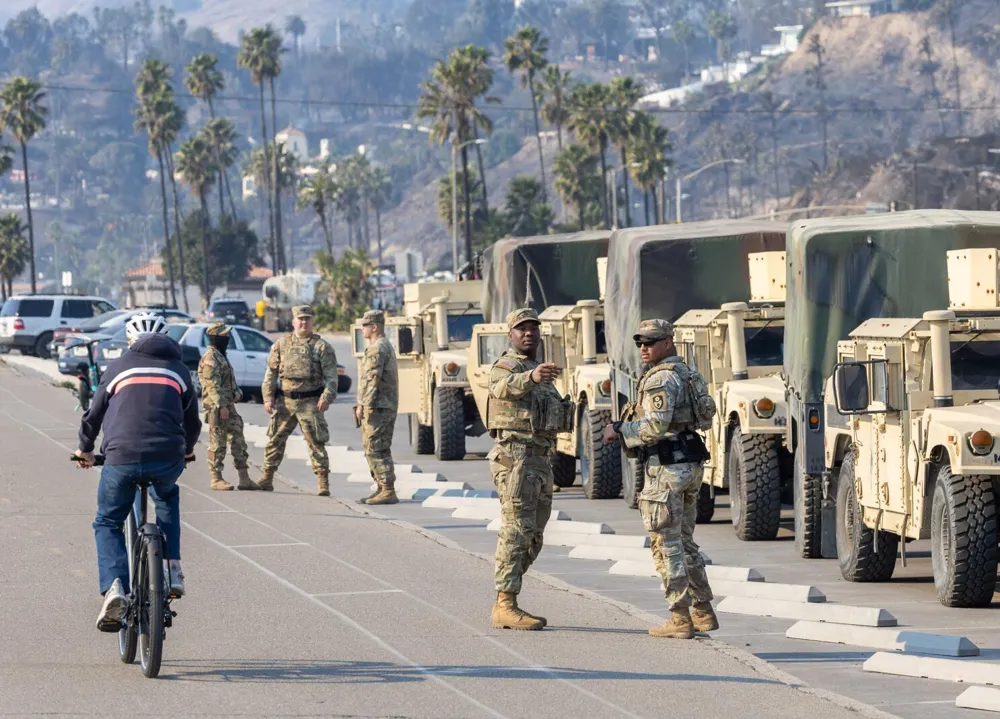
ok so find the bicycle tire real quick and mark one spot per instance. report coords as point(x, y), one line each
point(151, 605)
point(128, 635)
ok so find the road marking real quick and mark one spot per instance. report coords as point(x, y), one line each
point(366, 591)
point(255, 546)
point(209, 511)
point(349, 622)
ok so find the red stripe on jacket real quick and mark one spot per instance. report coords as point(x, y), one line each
point(148, 380)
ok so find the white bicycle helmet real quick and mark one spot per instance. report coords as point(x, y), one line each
point(144, 323)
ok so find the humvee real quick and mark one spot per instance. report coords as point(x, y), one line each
point(738, 350)
point(922, 396)
point(431, 340)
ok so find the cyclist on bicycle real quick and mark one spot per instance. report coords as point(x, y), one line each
point(148, 411)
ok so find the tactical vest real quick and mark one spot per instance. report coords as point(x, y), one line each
point(542, 411)
point(298, 360)
point(683, 412)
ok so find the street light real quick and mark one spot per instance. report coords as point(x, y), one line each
point(454, 202)
point(697, 172)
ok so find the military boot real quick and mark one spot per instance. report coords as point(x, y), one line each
point(266, 481)
point(375, 493)
point(537, 618)
point(385, 496)
point(323, 484)
point(245, 482)
point(218, 482)
point(507, 615)
point(679, 626)
point(703, 618)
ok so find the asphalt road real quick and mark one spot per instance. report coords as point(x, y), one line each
point(305, 606)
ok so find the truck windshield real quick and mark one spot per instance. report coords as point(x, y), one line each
point(765, 345)
point(460, 326)
point(975, 365)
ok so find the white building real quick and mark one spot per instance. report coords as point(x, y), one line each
point(862, 8)
point(787, 43)
point(295, 142)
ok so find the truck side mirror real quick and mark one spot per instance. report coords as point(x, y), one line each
point(850, 387)
point(405, 343)
point(358, 342)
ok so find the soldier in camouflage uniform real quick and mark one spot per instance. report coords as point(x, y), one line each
point(524, 415)
point(299, 386)
point(378, 400)
point(664, 420)
point(219, 395)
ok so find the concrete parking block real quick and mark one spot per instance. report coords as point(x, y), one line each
point(564, 527)
point(362, 475)
point(895, 640)
point(481, 493)
point(493, 512)
point(442, 502)
point(569, 539)
point(408, 491)
point(967, 671)
point(767, 590)
point(614, 554)
point(822, 612)
point(634, 568)
point(987, 700)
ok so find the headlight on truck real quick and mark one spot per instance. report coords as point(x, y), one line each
point(981, 442)
point(764, 408)
point(605, 387)
point(451, 369)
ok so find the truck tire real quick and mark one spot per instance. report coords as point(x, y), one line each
point(600, 466)
point(856, 543)
point(449, 424)
point(964, 539)
point(808, 490)
point(754, 469)
point(421, 436)
point(633, 480)
point(563, 469)
point(705, 506)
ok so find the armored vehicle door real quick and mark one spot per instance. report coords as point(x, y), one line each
point(406, 337)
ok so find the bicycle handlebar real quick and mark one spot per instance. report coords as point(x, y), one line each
point(99, 459)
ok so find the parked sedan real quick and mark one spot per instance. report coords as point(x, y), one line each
point(110, 323)
point(247, 353)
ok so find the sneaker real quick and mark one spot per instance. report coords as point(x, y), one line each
point(115, 605)
point(176, 579)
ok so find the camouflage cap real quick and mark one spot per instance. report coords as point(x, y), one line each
point(520, 316)
point(654, 330)
point(373, 317)
point(219, 329)
point(302, 311)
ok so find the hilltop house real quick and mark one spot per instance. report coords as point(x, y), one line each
point(863, 8)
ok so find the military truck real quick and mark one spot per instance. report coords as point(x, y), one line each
point(662, 272)
point(567, 269)
point(738, 349)
point(924, 397)
point(431, 340)
point(842, 272)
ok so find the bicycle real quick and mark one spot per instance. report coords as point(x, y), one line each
point(88, 382)
point(148, 615)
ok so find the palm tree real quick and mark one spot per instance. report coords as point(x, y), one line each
point(722, 28)
point(221, 137)
point(592, 121)
point(525, 53)
point(23, 115)
point(575, 169)
point(196, 166)
point(254, 55)
point(296, 27)
point(554, 84)
point(649, 145)
point(274, 50)
point(14, 252)
point(6, 158)
point(204, 81)
point(449, 100)
point(684, 35)
point(349, 200)
point(378, 192)
point(319, 191)
point(625, 92)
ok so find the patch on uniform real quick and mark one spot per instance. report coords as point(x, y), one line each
point(658, 401)
point(507, 364)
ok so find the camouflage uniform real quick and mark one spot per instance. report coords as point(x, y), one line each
point(520, 461)
point(220, 391)
point(668, 499)
point(299, 373)
point(378, 398)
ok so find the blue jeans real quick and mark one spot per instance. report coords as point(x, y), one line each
point(117, 495)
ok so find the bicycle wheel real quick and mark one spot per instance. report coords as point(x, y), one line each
point(151, 597)
point(128, 635)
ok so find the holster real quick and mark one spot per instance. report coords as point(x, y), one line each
point(685, 448)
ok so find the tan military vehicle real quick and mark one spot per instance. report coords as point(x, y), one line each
point(738, 349)
point(572, 338)
point(431, 340)
point(923, 396)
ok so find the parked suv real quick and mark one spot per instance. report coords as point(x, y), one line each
point(28, 321)
point(231, 310)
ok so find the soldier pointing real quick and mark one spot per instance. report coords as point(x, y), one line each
point(299, 386)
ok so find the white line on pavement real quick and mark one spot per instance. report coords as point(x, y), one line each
point(366, 591)
point(278, 544)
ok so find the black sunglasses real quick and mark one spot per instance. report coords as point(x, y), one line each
point(646, 343)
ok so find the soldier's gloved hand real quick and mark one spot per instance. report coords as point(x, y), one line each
point(545, 372)
point(224, 414)
point(610, 436)
point(267, 407)
point(322, 405)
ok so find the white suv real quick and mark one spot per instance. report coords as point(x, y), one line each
point(27, 321)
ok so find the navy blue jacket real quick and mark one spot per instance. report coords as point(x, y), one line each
point(146, 405)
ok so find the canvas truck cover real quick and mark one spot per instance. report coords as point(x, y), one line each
point(554, 269)
point(664, 271)
point(845, 270)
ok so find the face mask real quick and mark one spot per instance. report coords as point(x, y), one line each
point(220, 342)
